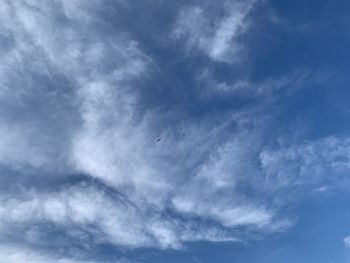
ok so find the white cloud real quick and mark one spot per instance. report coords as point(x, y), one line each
point(346, 241)
point(13, 254)
point(307, 164)
point(269, 88)
point(121, 223)
point(217, 38)
point(53, 59)
point(214, 192)
point(76, 97)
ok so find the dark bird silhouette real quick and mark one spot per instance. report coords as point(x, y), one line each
point(159, 140)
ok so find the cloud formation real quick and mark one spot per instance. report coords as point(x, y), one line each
point(215, 35)
point(346, 241)
point(21, 255)
point(71, 112)
point(95, 130)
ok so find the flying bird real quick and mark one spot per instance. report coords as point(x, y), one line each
point(159, 140)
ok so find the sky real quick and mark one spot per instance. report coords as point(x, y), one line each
point(174, 131)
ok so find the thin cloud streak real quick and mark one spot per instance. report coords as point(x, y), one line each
point(217, 38)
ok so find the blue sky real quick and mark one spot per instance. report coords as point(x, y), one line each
point(248, 98)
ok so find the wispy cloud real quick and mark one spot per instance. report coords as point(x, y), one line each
point(216, 36)
point(105, 138)
point(13, 254)
point(346, 241)
point(268, 90)
point(70, 104)
point(307, 164)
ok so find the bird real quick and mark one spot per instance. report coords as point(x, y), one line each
point(159, 140)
